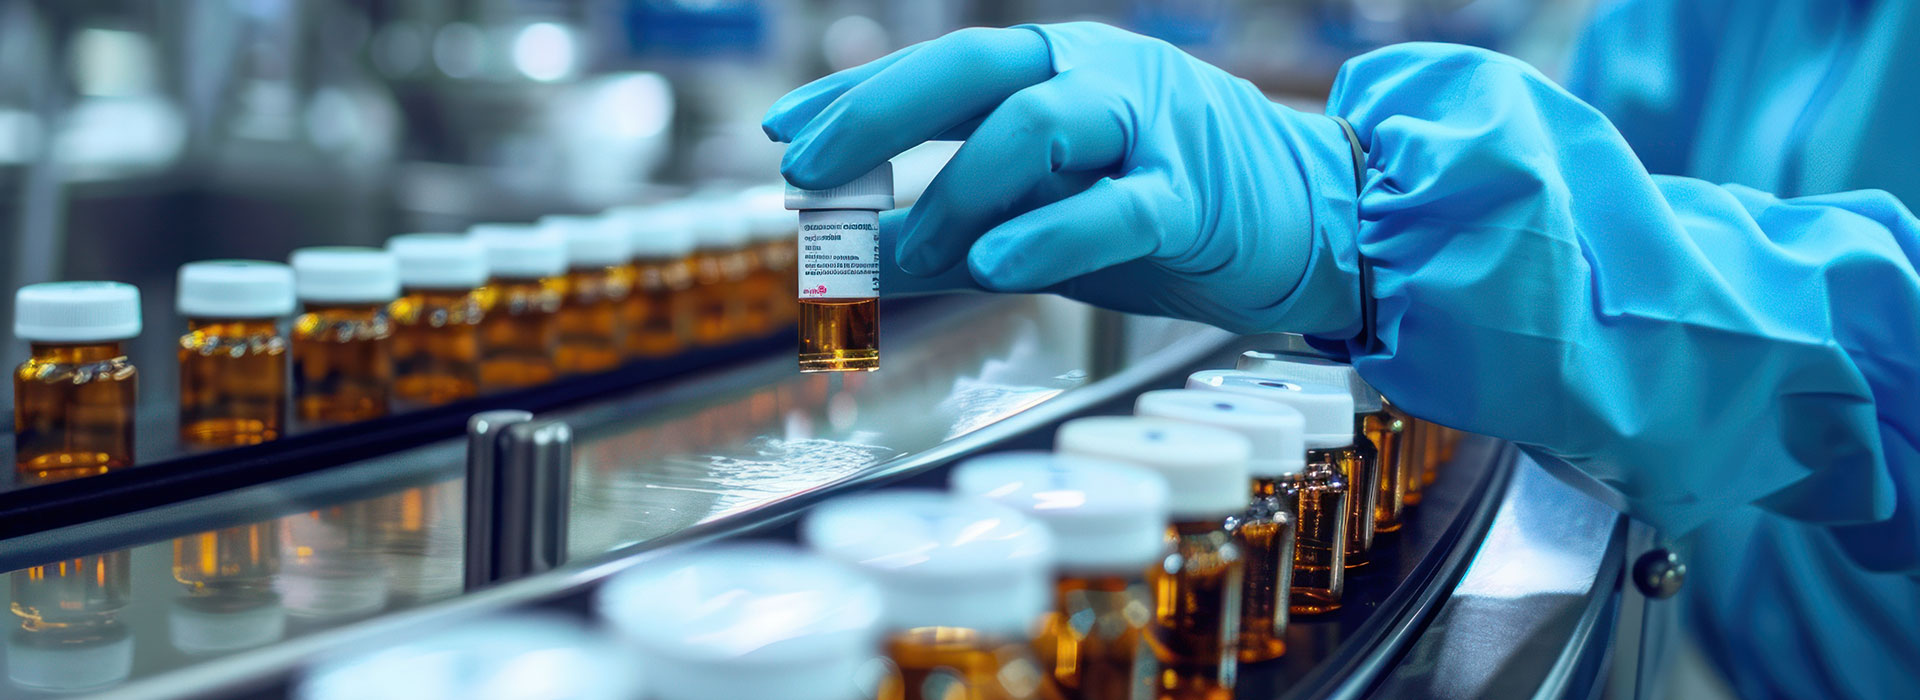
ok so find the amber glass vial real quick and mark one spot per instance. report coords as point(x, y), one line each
point(1319, 498)
point(1387, 429)
point(660, 311)
point(1265, 530)
point(520, 336)
point(593, 315)
point(839, 272)
point(343, 339)
point(965, 580)
point(74, 398)
point(1109, 522)
point(769, 287)
point(233, 358)
point(1199, 583)
point(436, 320)
point(1332, 456)
point(1412, 456)
point(722, 264)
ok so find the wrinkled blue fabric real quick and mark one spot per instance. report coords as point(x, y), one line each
point(1688, 346)
point(1795, 98)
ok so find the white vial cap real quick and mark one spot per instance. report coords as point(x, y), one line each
point(345, 275)
point(755, 620)
point(67, 668)
point(718, 224)
point(512, 657)
point(656, 232)
point(1314, 370)
point(1205, 467)
point(521, 251)
point(767, 215)
point(199, 632)
point(1107, 517)
point(76, 312)
point(942, 560)
point(872, 191)
point(438, 261)
point(1328, 409)
point(1274, 430)
point(235, 289)
point(592, 241)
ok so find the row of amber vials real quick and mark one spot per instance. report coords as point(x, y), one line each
point(1196, 588)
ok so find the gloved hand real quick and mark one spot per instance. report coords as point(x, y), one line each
point(1098, 164)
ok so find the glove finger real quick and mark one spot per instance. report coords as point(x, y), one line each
point(948, 81)
point(1071, 124)
point(1113, 222)
point(895, 282)
point(792, 111)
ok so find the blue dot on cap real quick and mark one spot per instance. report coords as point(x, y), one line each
point(1222, 405)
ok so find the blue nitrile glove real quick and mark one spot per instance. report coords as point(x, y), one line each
point(1098, 164)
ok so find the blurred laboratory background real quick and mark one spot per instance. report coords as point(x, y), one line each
point(137, 136)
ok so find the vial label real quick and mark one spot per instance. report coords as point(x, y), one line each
point(839, 254)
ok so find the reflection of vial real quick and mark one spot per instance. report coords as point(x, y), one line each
point(1323, 499)
point(1197, 587)
point(1363, 473)
point(840, 272)
point(330, 568)
point(593, 322)
point(436, 320)
point(233, 359)
point(721, 265)
point(521, 333)
point(1266, 530)
point(1109, 522)
point(660, 310)
point(228, 602)
point(342, 340)
point(73, 399)
point(965, 582)
point(71, 636)
point(755, 620)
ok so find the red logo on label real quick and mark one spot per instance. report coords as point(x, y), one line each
point(816, 291)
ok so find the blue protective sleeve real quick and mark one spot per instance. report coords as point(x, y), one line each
point(1646, 65)
point(1690, 348)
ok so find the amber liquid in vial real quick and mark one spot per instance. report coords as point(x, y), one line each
point(73, 412)
point(720, 304)
point(1411, 456)
point(1320, 501)
point(593, 319)
point(1196, 617)
point(1386, 428)
point(839, 335)
point(1094, 642)
point(1265, 534)
point(780, 259)
point(954, 663)
point(342, 362)
point(233, 382)
point(1435, 448)
point(1358, 463)
point(660, 310)
point(758, 292)
point(521, 332)
point(436, 345)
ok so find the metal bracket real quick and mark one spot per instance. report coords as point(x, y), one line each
point(519, 474)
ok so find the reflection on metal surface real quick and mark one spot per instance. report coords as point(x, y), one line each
point(332, 570)
point(228, 602)
point(1539, 575)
